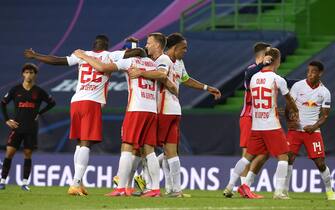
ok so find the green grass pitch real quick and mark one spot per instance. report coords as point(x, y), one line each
point(55, 198)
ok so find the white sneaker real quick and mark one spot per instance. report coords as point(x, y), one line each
point(280, 195)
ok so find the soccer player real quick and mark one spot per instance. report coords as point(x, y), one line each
point(313, 101)
point(27, 98)
point(169, 107)
point(86, 103)
point(139, 127)
point(267, 135)
point(248, 175)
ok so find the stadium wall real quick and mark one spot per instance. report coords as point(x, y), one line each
point(198, 172)
point(202, 133)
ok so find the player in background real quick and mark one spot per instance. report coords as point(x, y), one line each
point(139, 127)
point(170, 110)
point(313, 101)
point(267, 135)
point(86, 103)
point(27, 98)
point(250, 172)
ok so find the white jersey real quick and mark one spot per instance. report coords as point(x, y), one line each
point(168, 103)
point(92, 85)
point(142, 93)
point(309, 102)
point(264, 87)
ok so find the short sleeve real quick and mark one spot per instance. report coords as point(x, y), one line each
point(184, 74)
point(116, 55)
point(8, 96)
point(124, 64)
point(163, 62)
point(282, 85)
point(294, 91)
point(72, 60)
point(326, 99)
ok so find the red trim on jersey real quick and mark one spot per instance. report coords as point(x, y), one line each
point(266, 70)
point(98, 51)
point(310, 85)
point(163, 102)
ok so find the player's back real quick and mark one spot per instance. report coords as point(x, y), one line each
point(264, 87)
point(142, 92)
point(92, 85)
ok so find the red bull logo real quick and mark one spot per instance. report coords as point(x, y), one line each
point(310, 104)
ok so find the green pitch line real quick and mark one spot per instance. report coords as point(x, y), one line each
point(55, 198)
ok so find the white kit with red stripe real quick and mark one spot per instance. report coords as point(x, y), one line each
point(92, 85)
point(142, 93)
point(168, 103)
point(264, 87)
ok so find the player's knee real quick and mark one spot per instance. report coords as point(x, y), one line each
point(320, 164)
point(282, 157)
point(170, 150)
point(27, 153)
point(10, 153)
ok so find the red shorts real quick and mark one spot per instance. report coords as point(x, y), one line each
point(313, 143)
point(245, 130)
point(86, 121)
point(271, 141)
point(168, 129)
point(139, 128)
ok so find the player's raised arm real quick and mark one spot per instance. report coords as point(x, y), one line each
point(48, 59)
point(192, 83)
point(95, 63)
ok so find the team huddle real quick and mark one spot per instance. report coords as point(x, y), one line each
point(153, 114)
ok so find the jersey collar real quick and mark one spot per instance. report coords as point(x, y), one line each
point(311, 86)
point(266, 70)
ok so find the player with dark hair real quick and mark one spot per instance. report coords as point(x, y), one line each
point(248, 175)
point(313, 101)
point(27, 98)
point(267, 135)
point(169, 108)
point(86, 103)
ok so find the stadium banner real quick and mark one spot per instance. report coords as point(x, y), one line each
point(198, 172)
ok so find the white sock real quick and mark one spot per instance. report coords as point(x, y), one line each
point(25, 182)
point(135, 162)
point(75, 156)
point(168, 179)
point(160, 159)
point(153, 167)
point(250, 178)
point(288, 178)
point(125, 165)
point(238, 169)
point(145, 174)
point(243, 180)
point(174, 164)
point(3, 181)
point(281, 173)
point(326, 179)
point(81, 165)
